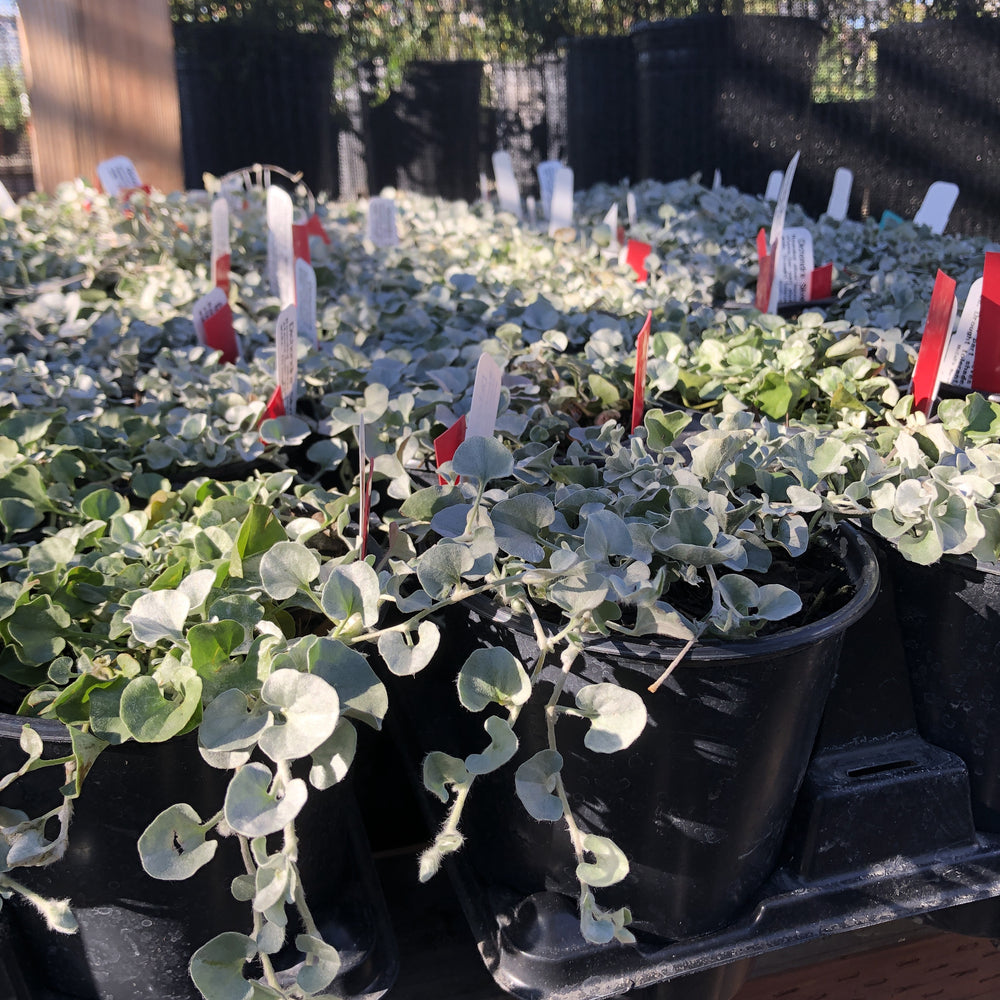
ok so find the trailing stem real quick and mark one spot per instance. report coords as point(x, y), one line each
point(567, 658)
point(258, 918)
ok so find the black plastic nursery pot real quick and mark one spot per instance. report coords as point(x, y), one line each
point(436, 128)
point(251, 95)
point(136, 934)
point(679, 66)
point(699, 803)
point(936, 86)
point(949, 622)
point(723, 91)
point(600, 102)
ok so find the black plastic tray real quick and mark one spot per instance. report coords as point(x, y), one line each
point(533, 947)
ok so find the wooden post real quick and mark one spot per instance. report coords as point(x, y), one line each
point(102, 83)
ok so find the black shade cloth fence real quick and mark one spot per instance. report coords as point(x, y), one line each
point(738, 94)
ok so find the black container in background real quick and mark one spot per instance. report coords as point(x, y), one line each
point(601, 108)
point(949, 619)
point(764, 105)
point(137, 934)
point(253, 96)
point(937, 117)
point(732, 93)
point(437, 128)
point(679, 73)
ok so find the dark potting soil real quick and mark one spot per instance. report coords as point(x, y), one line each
point(818, 576)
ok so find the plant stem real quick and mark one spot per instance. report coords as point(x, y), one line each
point(418, 616)
point(569, 656)
point(291, 851)
point(258, 918)
point(674, 663)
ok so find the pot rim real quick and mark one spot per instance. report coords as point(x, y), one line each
point(858, 558)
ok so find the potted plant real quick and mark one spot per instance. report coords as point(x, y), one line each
point(622, 567)
point(168, 652)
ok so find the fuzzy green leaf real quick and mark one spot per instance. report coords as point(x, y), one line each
point(482, 459)
point(154, 715)
point(231, 721)
point(441, 567)
point(442, 771)
point(217, 967)
point(321, 966)
point(352, 592)
point(404, 660)
point(492, 675)
point(254, 808)
point(535, 782)
point(173, 846)
point(503, 746)
point(37, 628)
point(617, 716)
point(286, 568)
point(306, 709)
point(609, 866)
point(160, 614)
point(332, 759)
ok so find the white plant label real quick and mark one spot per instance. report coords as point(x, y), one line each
point(956, 365)
point(286, 350)
point(280, 246)
point(508, 193)
point(795, 265)
point(205, 308)
point(561, 209)
point(937, 205)
point(547, 171)
point(117, 175)
point(717, 180)
point(773, 185)
point(382, 222)
point(778, 227)
point(220, 231)
point(631, 209)
point(840, 194)
point(484, 187)
point(482, 418)
point(532, 211)
point(305, 302)
point(6, 202)
point(611, 221)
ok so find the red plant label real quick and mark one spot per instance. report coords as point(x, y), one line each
point(821, 282)
point(220, 335)
point(932, 344)
point(765, 276)
point(275, 407)
point(636, 253)
point(446, 444)
point(986, 367)
point(639, 388)
point(300, 242)
point(220, 272)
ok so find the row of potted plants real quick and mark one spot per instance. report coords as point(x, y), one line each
point(172, 567)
